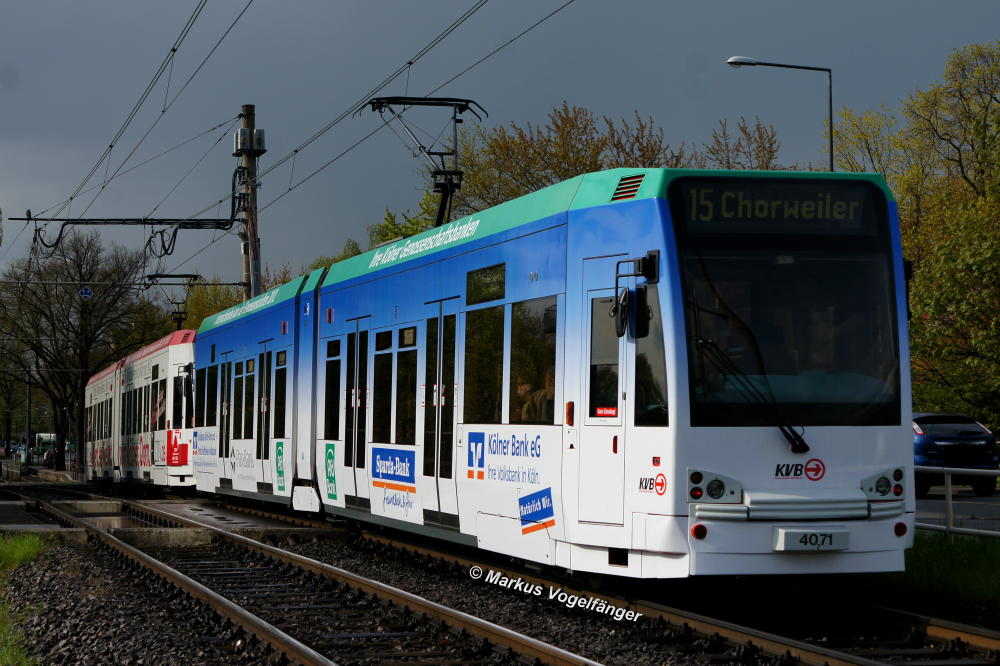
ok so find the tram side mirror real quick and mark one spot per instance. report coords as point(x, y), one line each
point(620, 312)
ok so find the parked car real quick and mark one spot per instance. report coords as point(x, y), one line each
point(953, 440)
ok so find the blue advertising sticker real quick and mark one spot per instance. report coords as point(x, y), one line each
point(394, 465)
point(537, 511)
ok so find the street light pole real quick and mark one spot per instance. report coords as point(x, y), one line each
point(741, 61)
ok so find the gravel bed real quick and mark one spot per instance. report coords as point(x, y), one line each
point(87, 605)
point(585, 632)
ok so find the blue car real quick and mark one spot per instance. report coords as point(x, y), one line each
point(953, 440)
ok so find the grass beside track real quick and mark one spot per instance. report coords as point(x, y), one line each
point(13, 551)
point(953, 577)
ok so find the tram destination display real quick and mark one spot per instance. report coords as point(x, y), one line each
point(748, 206)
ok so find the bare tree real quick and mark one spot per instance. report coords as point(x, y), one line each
point(67, 335)
point(753, 147)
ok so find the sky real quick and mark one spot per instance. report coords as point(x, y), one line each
point(71, 73)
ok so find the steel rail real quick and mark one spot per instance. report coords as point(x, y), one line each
point(980, 638)
point(735, 634)
point(986, 640)
point(522, 644)
point(265, 631)
point(293, 520)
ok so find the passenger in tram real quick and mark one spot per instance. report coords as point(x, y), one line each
point(540, 407)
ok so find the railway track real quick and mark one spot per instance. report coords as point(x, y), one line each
point(885, 636)
point(315, 613)
point(305, 606)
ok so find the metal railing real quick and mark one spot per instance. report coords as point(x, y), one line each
point(949, 506)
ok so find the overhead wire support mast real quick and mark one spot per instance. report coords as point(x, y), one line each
point(446, 181)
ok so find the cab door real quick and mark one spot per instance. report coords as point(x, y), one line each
point(602, 437)
point(439, 497)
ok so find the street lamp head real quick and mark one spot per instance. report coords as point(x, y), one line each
point(740, 61)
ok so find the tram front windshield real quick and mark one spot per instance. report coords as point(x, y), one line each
point(789, 302)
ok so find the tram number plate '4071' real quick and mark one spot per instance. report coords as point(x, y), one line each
point(814, 539)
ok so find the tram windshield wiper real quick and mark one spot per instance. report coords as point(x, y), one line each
point(766, 407)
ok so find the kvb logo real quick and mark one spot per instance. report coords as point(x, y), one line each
point(814, 469)
point(477, 455)
point(649, 484)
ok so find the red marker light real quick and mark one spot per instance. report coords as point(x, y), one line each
point(897, 490)
point(900, 529)
point(696, 493)
point(699, 531)
point(570, 412)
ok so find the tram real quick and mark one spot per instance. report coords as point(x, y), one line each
point(640, 372)
point(138, 415)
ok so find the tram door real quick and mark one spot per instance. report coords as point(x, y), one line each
point(602, 437)
point(263, 452)
point(225, 402)
point(439, 494)
point(356, 413)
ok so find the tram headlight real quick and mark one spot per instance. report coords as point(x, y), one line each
point(883, 485)
point(715, 489)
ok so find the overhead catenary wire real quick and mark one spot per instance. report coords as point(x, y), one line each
point(229, 121)
point(142, 99)
point(294, 153)
point(360, 103)
point(172, 100)
point(428, 94)
point(39, 234)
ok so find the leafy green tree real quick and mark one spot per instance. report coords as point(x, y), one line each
point(204, 300)
point(940, 156)
point(506, 162)
point(351, 249)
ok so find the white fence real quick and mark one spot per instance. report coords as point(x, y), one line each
point(949, 504)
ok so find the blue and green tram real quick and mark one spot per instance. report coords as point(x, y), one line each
point(640, 372)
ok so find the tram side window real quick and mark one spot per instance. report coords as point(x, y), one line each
point(280, 389)
point(533, 361)
point(211, 396)
point(331, 413)
point(177, 415)
point(248, 400)
point(199, 397)
point(382, 388)
point(130, 413)
point(483, 365)
point(603, 360)
point(161, 406)
point(650, 365)
point(406, 387)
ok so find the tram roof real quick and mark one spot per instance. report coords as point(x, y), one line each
point(585, 191)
